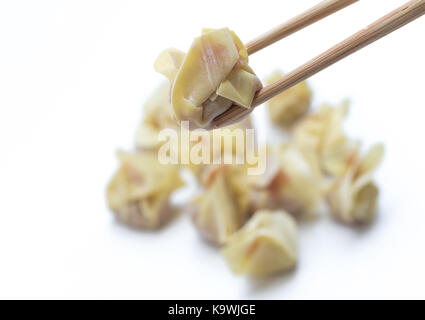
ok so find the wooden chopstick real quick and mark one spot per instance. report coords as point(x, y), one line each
point(383, 26)
point(316, 13)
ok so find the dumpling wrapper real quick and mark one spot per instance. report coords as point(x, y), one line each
point(208, 62)
point(289, 106)
point(267, 244)
point(221, 209)
point(292, 182)
point(210, 78)
point(169, 62)
point(353, 197)
point(240, 86)
point(139, 192)
point(144, 176)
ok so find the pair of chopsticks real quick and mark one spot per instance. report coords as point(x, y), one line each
point(378, 29)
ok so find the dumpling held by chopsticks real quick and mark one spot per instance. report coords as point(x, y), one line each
point(213, 75)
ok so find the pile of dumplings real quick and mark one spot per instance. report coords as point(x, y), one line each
point(252, 219)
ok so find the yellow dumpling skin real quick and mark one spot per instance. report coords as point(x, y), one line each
point(213, 75)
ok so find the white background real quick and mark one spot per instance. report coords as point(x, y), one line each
point(73, 79)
